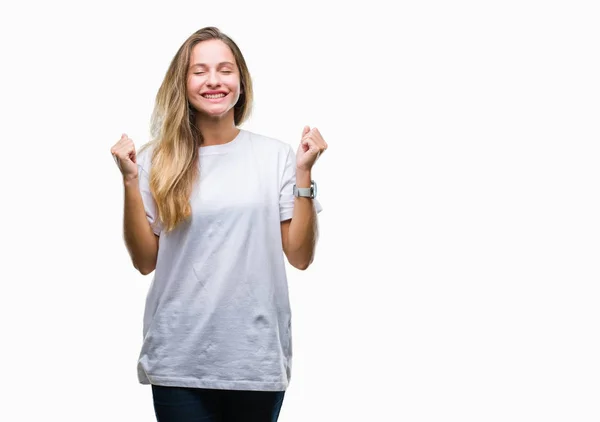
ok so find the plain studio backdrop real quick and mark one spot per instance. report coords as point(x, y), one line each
point(456, 276)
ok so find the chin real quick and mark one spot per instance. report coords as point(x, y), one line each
point(217, 112)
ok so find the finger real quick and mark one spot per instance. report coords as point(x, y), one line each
point(306, 130)
point(319, 137)
point(124, 152)
point(320, 144)
point(316, 135)
point(311, 144)
point(122, 141)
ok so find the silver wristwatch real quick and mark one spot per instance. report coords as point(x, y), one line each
point(306, 192)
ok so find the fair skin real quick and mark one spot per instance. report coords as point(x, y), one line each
point(141, 242)
point(299, 235)
point(213, 88)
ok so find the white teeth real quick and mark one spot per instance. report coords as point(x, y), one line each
point(214, 96)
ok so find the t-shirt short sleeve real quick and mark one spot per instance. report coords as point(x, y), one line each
point(143, 162)
point(286, 196)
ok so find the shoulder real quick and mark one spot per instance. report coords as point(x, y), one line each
point(143, 156)
point(269, 144)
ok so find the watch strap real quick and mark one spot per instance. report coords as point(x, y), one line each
point(305, 192)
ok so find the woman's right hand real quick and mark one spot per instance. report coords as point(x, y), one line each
point(124, 154)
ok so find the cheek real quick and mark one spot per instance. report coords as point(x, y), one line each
point(193, 86)
point(234, 83)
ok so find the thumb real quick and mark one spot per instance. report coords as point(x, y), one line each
point(306, 130)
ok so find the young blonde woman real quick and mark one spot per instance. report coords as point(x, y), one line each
point(213, 209)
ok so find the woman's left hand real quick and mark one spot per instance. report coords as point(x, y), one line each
point(312, 145)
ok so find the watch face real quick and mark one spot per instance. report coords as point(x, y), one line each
point(312, 191)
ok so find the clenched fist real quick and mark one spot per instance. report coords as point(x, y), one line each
point(124, 154)
point(312, 145)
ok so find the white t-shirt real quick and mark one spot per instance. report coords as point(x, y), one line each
point(217, 312)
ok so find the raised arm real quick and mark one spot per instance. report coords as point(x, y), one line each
point(140, 240)
point(300, 234)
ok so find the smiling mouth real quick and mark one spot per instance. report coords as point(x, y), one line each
point(214, 96)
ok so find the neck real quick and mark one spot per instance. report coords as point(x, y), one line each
point(217, 131)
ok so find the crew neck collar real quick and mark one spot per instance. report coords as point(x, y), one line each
point(222, 148)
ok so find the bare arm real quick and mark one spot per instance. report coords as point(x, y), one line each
point(140, 240)
point(299, 235)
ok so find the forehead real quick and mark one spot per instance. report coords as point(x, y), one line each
point(211, 52)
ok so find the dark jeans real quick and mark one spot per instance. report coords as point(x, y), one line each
point(181, 404)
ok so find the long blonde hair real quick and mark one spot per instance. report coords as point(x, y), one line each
point(174, 136)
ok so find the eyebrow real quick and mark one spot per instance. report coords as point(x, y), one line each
point(204, 64)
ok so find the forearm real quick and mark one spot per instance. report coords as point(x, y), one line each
point(140, 240)
point(303, 230)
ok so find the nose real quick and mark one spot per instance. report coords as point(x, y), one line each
point(213, 79)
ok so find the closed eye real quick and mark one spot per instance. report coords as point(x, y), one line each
point(226, 72)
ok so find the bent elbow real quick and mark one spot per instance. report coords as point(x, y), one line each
point(145, 271)
point(302, 265)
